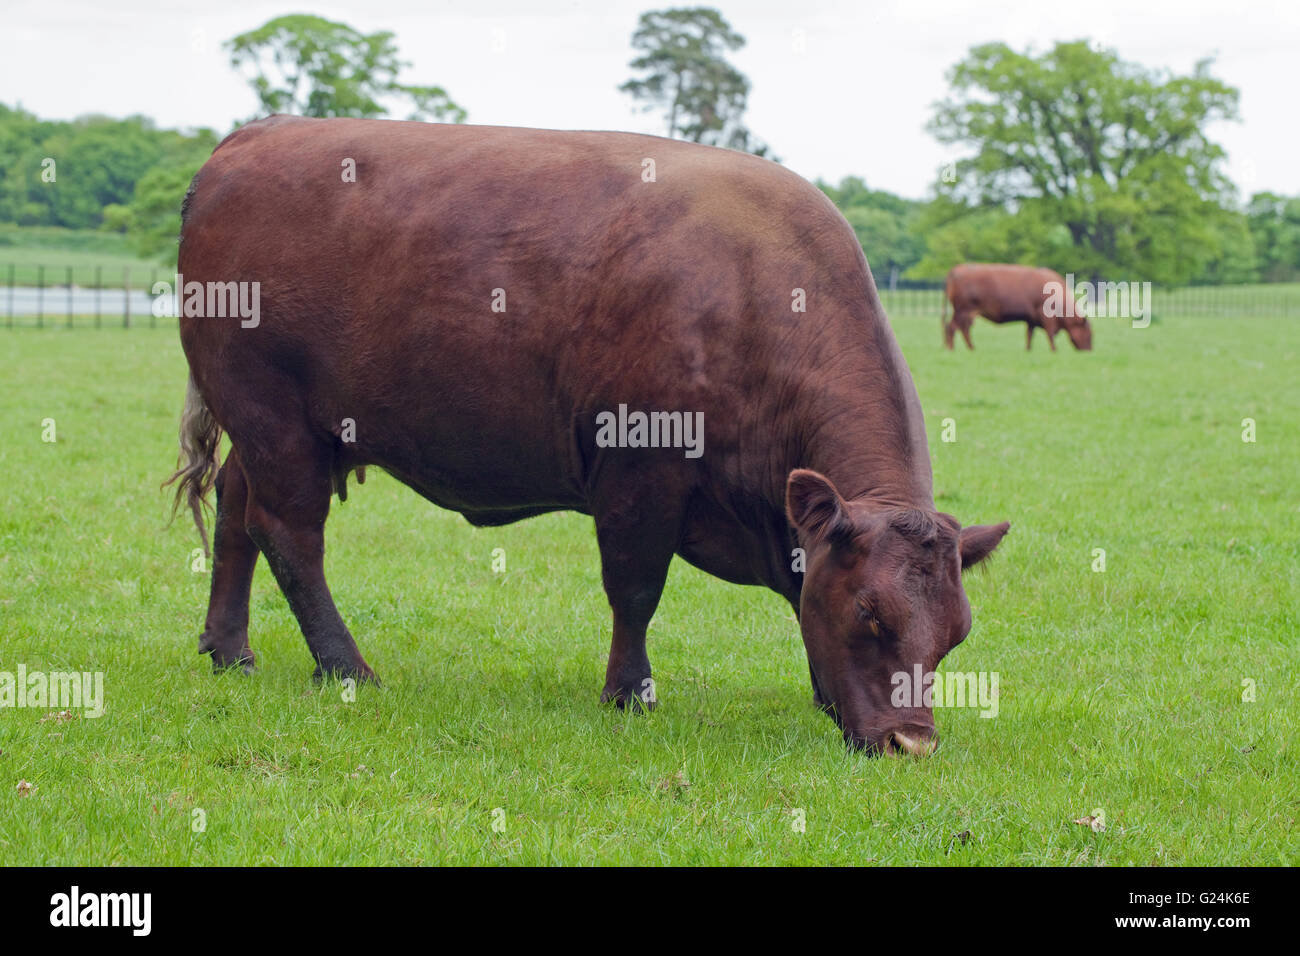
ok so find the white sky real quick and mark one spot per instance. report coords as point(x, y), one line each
point(855, 102)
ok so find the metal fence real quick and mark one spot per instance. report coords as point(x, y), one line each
point(1275, 300)
point(78, 295)
point(94, 296)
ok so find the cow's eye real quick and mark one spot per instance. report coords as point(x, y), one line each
point(867, 615)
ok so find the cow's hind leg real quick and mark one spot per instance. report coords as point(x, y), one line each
point(289, 490)
point(1029, 336)
point(234, 555)
point(637, 542)
point(963, 321)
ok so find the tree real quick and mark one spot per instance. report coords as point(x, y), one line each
point(1274, 223)
point(1236, 259)
point(315, 67)
point(688, 78)
point(884, 224)
point(956, 233)
point(152, 219)
point(21, 138)
point(1116, 153)
point(96, 164)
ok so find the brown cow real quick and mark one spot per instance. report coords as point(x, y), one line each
point(484, 312)
point(1007, 293)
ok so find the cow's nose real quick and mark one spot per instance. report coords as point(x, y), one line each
point(916, 744)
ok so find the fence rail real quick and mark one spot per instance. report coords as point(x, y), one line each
point(62, 295)
point(84, 296)
point(1209, 301)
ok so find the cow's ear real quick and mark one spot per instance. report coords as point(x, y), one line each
point(815, 507)
point(978, 542)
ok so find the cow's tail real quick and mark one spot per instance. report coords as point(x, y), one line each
point(196, 468)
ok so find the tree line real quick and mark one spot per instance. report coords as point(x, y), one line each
point(1072, 158)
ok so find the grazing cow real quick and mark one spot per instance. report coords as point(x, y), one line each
point(495, 316)
point(1005, 293)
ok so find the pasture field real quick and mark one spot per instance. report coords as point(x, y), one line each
point(1161, 691)
point(83, 250)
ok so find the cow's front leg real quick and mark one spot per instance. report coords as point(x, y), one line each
point(234, 555)
point(637, 542)
point(1029, 336)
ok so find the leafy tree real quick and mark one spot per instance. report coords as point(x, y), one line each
point(956, 233)
point(97, 163)
point(21, 136)
point(152, 219)
point(1235, 258)
point(885, 225)
point(316, 67)
point(1116, 153)
point(1274, 223)
point(688, 77)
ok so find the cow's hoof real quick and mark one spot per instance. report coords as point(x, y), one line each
point(244, 665)
point(639, 699)
point(359, 672)
point(228, 655)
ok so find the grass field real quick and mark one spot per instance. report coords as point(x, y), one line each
point(102, 258)
point(1121, 691)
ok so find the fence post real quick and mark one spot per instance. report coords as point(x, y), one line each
point(40, 297)
point(126, 298)
point(99, 281)
point(10, 296)
point(153, 313)
point(69, 275)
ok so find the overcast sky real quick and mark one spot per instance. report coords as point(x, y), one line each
point(855, 101)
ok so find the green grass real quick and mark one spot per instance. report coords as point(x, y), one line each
point(1120, 690)
point(93, 256)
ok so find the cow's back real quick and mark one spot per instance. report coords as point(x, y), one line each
point(1001, 292)
point(477, 294)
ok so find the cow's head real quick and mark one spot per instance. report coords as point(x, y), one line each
point(1080, 332)
point(882, 593)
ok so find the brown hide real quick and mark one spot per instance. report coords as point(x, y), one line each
point(1013, 293)
point(468, 311)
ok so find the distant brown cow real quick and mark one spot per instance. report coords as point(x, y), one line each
point(1006, 293)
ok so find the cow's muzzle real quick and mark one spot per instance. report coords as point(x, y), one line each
point(914, 744)
point(903, 741)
